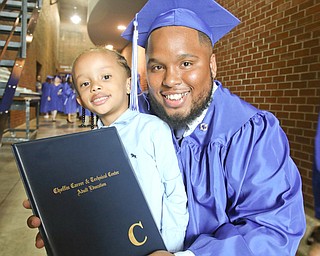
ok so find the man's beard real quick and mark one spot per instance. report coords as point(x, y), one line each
point(177, 121)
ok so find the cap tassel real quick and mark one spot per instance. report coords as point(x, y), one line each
point(134, 68)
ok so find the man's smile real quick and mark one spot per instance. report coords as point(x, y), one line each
point(176, 96)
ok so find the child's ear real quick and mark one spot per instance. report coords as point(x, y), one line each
point(79, 101)
point(128, 85)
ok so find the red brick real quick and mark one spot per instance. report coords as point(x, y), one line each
point(301, 53)
point(304, 36)
point(291, 92)
point(311, 43)
point(295, 47)
point(315, 50)
point(285, 70)
point(299, 69)
point(314, 10)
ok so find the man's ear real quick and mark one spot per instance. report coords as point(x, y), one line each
point(128, 85)
point(213, 65)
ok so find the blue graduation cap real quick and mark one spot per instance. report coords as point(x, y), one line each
point(206, 16)
point(67, 76)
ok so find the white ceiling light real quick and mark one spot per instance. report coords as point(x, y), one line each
point(75, 18)
point(109, 46)
point(121, 27)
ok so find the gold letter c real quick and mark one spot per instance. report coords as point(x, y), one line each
point(131, 236)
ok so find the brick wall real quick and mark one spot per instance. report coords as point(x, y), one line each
point(272, 60)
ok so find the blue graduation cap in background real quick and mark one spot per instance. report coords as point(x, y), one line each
point(206, 16)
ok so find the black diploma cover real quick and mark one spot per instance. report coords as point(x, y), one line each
point(85, 192)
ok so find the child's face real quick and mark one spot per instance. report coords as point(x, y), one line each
point(102, 84)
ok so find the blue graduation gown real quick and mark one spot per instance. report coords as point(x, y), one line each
point(45, 93)
point(69, 99)
point(56, 98)
point(244, 190)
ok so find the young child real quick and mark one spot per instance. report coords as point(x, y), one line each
point(102, 80)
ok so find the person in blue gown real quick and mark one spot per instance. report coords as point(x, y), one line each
point(244, 190)
point(45, 96)
point(69, 98)
point(56, 104)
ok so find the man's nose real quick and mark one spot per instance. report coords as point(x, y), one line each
point(172, 77)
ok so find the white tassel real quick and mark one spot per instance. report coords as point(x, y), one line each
point(134, 105)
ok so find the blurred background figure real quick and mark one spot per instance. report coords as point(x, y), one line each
point(38, 84)
point(69, 99)
point(45, 96)
point(56, 103)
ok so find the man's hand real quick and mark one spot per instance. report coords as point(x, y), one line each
point(34, 222)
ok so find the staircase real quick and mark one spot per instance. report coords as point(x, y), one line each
point(17, 23)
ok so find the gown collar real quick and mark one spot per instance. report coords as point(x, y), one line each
point(193, 125)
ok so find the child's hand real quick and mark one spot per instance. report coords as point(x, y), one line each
point(34, 222)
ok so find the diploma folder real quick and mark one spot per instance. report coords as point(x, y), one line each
point(83, 188)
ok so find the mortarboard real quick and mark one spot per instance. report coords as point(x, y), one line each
point(206, 16)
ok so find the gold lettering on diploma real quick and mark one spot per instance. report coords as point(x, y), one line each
point(61, 189)
point(132, 237)
point(87, 185)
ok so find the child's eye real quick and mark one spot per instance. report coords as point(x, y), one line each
point(157, 68)
point(84, 84)
point(106, 77)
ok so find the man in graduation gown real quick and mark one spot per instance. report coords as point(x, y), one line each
point(244, 190)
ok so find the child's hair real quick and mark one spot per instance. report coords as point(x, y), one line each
point(120, 59)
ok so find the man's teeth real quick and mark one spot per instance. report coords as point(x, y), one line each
point(177, 96)
point(100, 99)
